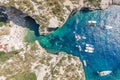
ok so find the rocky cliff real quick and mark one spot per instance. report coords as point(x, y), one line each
point(53, 13)
point(117, 2)
point(50, 13)
point(32, 60)
point(34, 63)
point(21, 60)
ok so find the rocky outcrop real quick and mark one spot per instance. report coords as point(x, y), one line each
point(43, 11)
point(105, 4)
point(34, 59)
point(12, 32)
point(116, 2)
point(58, 11)
point(53, 13)
point(29, 61)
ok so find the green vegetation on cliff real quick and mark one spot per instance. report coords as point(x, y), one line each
point(5, 56)
point(95, 3)
point(25, 76)
point(1, 24)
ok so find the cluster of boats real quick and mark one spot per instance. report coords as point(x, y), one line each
point(89, 48)
point(93, 23)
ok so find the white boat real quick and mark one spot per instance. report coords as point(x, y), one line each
point(77, 37)
point(83, 37)
point(84, 63)
point(89, 51)
point(92, 23)
point(89, 48)
point(89, 45)
point(77, 21)
point(79, 47)
point(108, 27)
point(104, 73)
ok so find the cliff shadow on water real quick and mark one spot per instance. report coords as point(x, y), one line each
point(11, 14)
point(32, 29)
point(32, 25)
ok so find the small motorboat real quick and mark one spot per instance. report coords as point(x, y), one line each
point(104, 73)
point(92, 23)
point(83, 37)
point(79, 47)
point(84, 63)
point(89, 45)
point(89, 48)
point(108, 27)
point(77, 21)
point(77, 37)
point(89, 51)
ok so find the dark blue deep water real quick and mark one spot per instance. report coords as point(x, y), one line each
point(106, 42)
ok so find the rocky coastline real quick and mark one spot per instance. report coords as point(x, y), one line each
point(53, 11)
point(33, 56)
point(24, 59)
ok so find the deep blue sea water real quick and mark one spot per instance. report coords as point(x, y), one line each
point(106, 42)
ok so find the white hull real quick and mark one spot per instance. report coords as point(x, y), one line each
point(108, 27)
point(104, 73)
point(84, 63)
point(89, 48)
point(92, 23)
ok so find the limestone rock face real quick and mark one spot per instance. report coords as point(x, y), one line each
point(29, 61)
point(44, 10)
point(116, 2)
point(34, 60)
point(105, 4)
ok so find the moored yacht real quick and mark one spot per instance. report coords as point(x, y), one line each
point(89, 48)
point(104, 73)
point(108, 27)
point(79, 47)
point(92, 23)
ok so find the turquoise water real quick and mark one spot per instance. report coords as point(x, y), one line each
point(106, 42)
